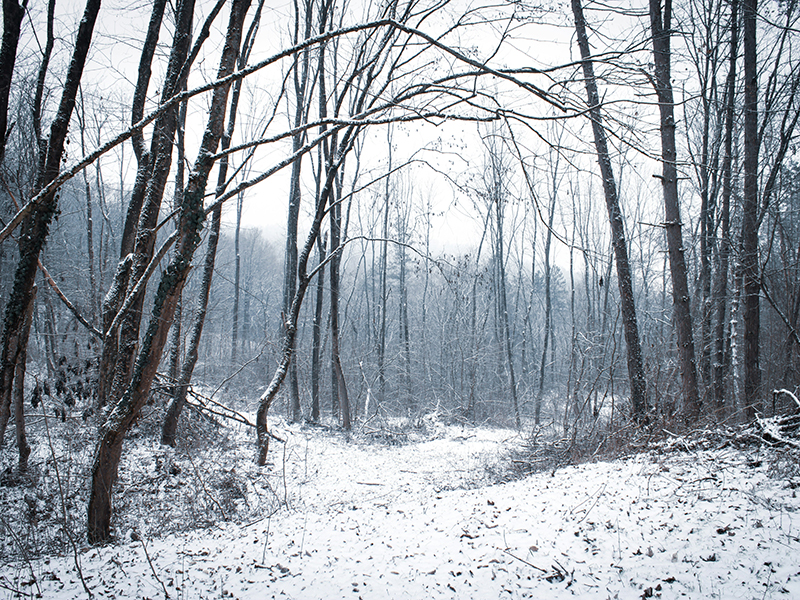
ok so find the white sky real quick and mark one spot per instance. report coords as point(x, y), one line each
point(456, 228)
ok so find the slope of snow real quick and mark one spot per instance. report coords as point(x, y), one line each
point(423, 519)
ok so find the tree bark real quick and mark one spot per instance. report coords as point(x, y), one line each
point(237, 284)
point(12, 21)
point(300, 69)
point(164, 126)
point(410, 404)
point(750, 268)
point(474, 341)
point(548, 305)
point(316, 344)
point(157, 173)
point(19, 387)
point(384, 291)
point(339, 395)
point(661, 31)
point(35, 228)
point(41, 143)
point(635, 361)
point(721, 361)
point(169, 428)
point(170, 425)
point(192, 215)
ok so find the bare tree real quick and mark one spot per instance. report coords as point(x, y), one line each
point(35, 227)
point(497, 194)
point(624, 280)
point(749, 260)
point(547, 334)
point(301, 76)
point(192, 215)
point(170, 425)
point(661, 31)
point(316, 345)
point(721, 357)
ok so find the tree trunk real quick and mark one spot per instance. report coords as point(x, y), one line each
point(316, 344)
point(548, 308)
point(174, 353)
point(384, 291)
point(170, 425)
point(12, 21)
point(169, 428)
point(635, 361)
point(301, 77)
point(410, 404)
point(119, 287)
point(661, 32)
point(303, 279)
point(721, 288)
point(750, 269)
point(35, 228)
point(19, 387)
point(475, 342)
point(157, 173)
point(237, 283)
point(192, 215)
point(338, 387)
point(497, 196)
point(89, 224)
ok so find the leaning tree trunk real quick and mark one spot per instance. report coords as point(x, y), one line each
point(119, 286)
point(303, 279)
point(192, 215)
point(624, 279)
point(155, 173)
point(170, 426)
point(661, 32)
point(35, 228)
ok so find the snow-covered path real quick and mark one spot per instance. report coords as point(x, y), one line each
point(419, 520)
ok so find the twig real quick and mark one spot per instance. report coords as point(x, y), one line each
point(205, 490)
point(788, 393)
point(266, 541)
point(523, 561)
point(25, 556)
point(596, 500)
point(81, 319)
point(64, 510)
point(15, 591)
point(241, 368)
point(150, 562)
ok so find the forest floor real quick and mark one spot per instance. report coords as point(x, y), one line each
point(422, 515)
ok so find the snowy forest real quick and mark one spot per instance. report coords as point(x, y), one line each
point(267, 264)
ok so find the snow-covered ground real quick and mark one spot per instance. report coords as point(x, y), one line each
point(425, 519)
